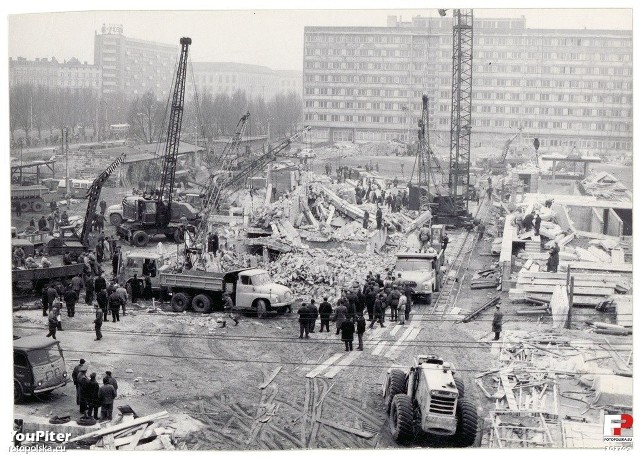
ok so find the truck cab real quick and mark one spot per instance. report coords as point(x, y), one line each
point(144, 211)
point(421, 271)
point(38, 366)
point(254, 288)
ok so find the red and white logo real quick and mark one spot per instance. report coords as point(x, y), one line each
point(618, 426)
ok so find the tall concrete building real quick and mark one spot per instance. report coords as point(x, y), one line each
point(133, 66)
point(566, 87)
point(70, 75)
point(254, 80)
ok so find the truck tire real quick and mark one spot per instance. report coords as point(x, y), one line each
point(261, 308)
point(201, 304)
point(401, 419)
point(428, 298)
point(180, 302)
point(467, 428)
point(459, 385)
point(140, 238)
point(24, 206)
point(18, 392)
point(115, 219)
point(37, 206)
point(177, 236)
point(396, 384)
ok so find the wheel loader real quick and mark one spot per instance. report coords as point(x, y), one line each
point(427, 400)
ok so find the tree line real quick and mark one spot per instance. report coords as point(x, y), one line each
point(38, 115)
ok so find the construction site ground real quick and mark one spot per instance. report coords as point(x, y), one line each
point(320, 396)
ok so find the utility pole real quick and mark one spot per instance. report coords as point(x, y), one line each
point(65, 147)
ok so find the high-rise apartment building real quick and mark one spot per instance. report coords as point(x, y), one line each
point(133, 66)
point(566, 87)
point(70, 75)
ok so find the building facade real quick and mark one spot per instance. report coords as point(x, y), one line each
point(131, 66)
point(254, 80)
point(566, 87)
point(70, 75)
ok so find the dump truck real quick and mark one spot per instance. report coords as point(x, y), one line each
point(36, 279)
point(38, 367)
point(421, 271)
point(28, 197)
point(427, 399)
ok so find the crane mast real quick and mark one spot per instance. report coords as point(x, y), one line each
point(173, 136)
point(461, 86)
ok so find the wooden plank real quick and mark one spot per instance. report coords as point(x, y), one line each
point(597, 266)
point(116, 428)
point(271, 377)
point(357, 432)
point(563, 276)
point(133, 443)
point(166, 442)
point(107, 442)
point(577, 282)
point(121, 439)
point(600, 254)
point(586, 291)
point(511, 399)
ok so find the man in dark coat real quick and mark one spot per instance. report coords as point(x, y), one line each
point(379, 218)
point(408, 292)
point(103, 207)
point(100, 283)
point(348, 329)
point(115, 259)
point(90, 394)
point(52, 294)
point(111, 380)
point(554, 259)
point(70, 299)
point(365, 220)
point(147, 291)
point(325, 311)
point(115, 302)
point(103, 303)
point(340, 314)
point(370, 298)
point(53, 321)
point(537, 222)
point(42, 223)
point(106, 396)
point(74, 377)
point(89, 289)
point(378, 311)
point(361, 327)
point(527, 222)
point(394, 298)
point(98, 323)
point(313, 312)
point(136, 289)
point(80, 389)
point(213, 243)
point(303, 320)
point(45, 301)
point(496, 325)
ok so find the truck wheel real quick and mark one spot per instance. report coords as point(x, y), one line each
point(178, 237)
point(428, 298)
point(396, 384)
point(201, 304)
point(24, 206)
point(261, 308)
point(37, 206)
point(459, 385)
point(401, 419)
point(115, 219)
point(467, 428)
point(18, 392)
point(180, 302)
point(140, 238)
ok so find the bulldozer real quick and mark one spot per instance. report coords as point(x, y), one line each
point(427, 401)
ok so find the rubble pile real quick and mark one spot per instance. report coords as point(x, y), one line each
point(351, 231)
point(318, 272)
point(603, 185)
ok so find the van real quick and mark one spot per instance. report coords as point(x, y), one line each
point(38, 366)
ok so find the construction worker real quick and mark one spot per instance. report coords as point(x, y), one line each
point(303, 320)
point(424, 237)
point(537, 221)
point(480, 228)
point(227, 305)
point(554, 259)
point(496, 325)
point(325, 311)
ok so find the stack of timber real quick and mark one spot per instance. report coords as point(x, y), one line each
point(488, 278)
point(589, 288)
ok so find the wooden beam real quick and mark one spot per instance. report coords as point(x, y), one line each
point(626, 267)
point(135, 439)
point(116, 428)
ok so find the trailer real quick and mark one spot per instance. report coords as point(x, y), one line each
point(38, 278)
point(30, 198)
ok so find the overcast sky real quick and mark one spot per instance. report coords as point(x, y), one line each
point(264, 37)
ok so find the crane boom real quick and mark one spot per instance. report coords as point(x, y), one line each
point(93, 194)
point(173, 136)
point(507, 144)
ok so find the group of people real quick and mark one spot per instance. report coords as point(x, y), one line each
point(90, 395)
point(373, 298)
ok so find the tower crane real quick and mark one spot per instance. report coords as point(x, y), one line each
point(146, 216)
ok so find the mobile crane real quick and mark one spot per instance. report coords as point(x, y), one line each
point(147, 216)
